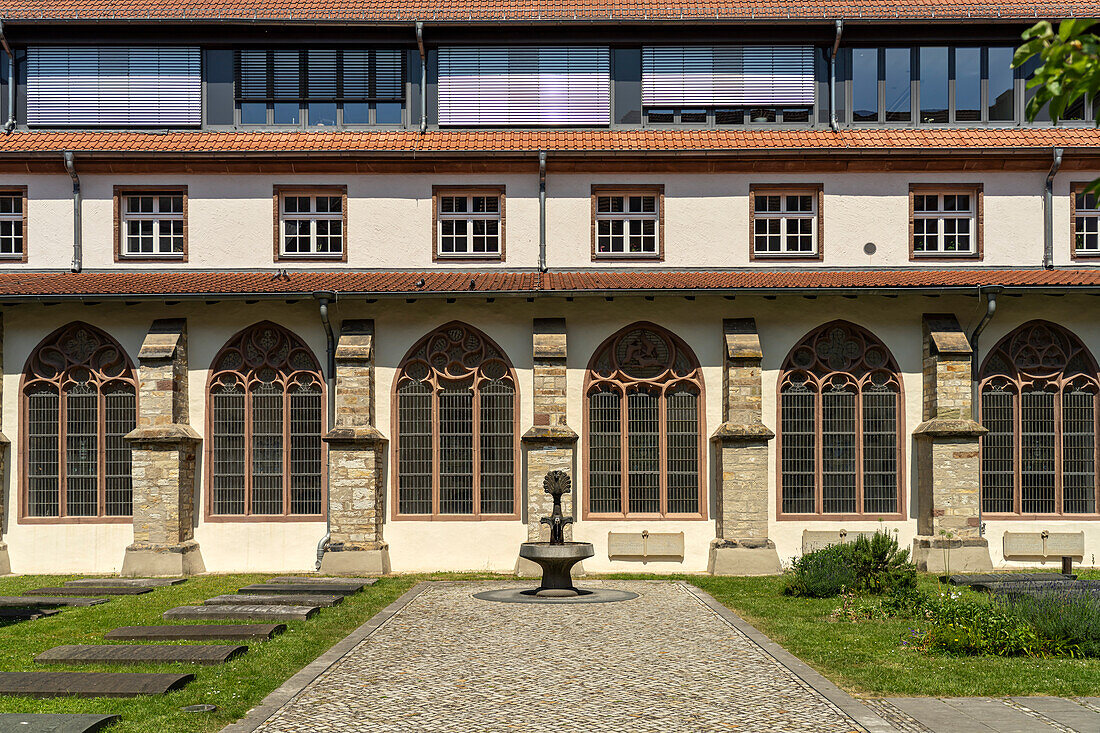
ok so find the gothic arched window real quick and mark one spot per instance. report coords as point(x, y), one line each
point(840, 421)
point(266, 413)
point(79, 402)
point(455, 426)
point(1038, 401)
point(644, 391)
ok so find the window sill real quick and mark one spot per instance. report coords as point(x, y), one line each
point(592, 517)
point(786, 256)
point(626, 257)
point(451, 257)
point(76, 520)
point(311, 258)
point(868, 517)
point(456, 517)
point(271, 518)
point(152, 258)
point(943, 257)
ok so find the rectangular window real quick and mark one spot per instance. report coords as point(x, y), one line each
point(1085, 222)
point(311, 223)
point(524, 85)
point(321, 87)
point(469, 223)
point(934, 105)
point(945, 223)
point(968, 84)
point(151, 224)
point(898, 85)
point(13, 224)
point(785, 222)
point(627, 223)
point(1001, 85)
point(865, 85)
point(116, 86)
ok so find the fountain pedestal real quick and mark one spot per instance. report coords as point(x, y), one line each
point(556, 562)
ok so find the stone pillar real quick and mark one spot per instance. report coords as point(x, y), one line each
point(5, 445)
point(948, 456)
point(356, 482)
point(550, 443)
point(741, 546)
point(163, 465)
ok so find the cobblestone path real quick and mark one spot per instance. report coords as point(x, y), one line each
point(662, 662)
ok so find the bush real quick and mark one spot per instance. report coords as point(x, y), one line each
point(1064, 619)
point(822, 573)
point(968, 624)
point(881, 566)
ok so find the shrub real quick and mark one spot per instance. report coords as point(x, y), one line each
point(822, 573)
point(967, 624)
point(880, 565)
point(1064, 619)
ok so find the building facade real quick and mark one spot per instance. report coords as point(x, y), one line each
point(301, 285)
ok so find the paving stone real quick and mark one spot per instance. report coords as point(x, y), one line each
point(242, 613)
point(110, 590)
point(196, 632)
point(1065, 712)
point(54, 723)
point(938, 716)
point(39, 601)
point(140, 653)
point(289, 599)
point(266, 589)
point(124, 582)
point(997, 715)
point(90, 684)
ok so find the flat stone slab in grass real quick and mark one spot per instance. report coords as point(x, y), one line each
point(289, 599)
point(196, 632)
point(54, 722)
point(26, 614)
point(279, 589)
point(242, 613)
point(124, 582)
point(90, 684)
point(109, 590)
point(1040, 585)
point(1008, 578)
point(140, 653)
point(356, 583)
point(37, 601)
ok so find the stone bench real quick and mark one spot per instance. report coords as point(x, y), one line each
point(207, 654)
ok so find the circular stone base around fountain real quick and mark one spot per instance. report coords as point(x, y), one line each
point(584, 595)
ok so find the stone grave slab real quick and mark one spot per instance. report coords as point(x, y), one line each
point(90, 684)
point(197, 632)
point(37, 601)
point(1008, 578)
point(356, 583)
point(54, 722)
point(279, 589)
point(123, 582)
point(26, 614)
point(109, 590)
point(290, 599)
point(140, 653)
point(1037, 585)
point(242, 613)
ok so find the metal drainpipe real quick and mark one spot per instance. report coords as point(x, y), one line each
point(1048, 211)
point(78, 250)
point(833, 123)
point(323, 300)
point(975, 411)
point(542, 211)
point(423, 76)
point(10, 124)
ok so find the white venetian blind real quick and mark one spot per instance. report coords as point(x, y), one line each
point(113, 86)
point(522, 85)
point(741, 75)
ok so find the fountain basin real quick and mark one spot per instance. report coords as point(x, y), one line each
point(556, 560)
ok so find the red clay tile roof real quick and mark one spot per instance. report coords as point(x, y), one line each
point(457, 141)
point(98, 285)
point(383, 11)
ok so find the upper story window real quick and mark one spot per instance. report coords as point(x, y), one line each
point(311, 223)
point(114, 86)
point(727, 85)
point(627, 222)
point(469, 223)
point(1085, 222)
point(524, 85)
point(945, 221)
point(151, 224)
point(321, 87)
point(785, 222)
point(13, 224)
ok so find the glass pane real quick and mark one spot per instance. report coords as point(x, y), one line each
point(1001, 86)
point(898, 85)
point(228, 450)
point(660, 116)
point(683, 452)
point(865, 85)
point(968, 85)
point(604, 453)
point(387, 113)
point(998, 453)
point(1027, 71)
point(1037, 452)
point(356, 113)
point(322, 114)
point(253, 113)
point(497, 448)
point(798, 461)
point(838, 451)
point(456, 450)
point(305, 449)
point(120, 419)
point(43, 459)
point(880, 451)
point(644, 446)
point(1078, 452)
point(267, 449)
point(82, 450)
point(287, 113)
point(414, 448)
point(933, 84)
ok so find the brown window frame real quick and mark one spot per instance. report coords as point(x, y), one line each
point(454, 371)
point(119, 194)
point(622, 382)
point(1021, 373)
point(488, 190)
point(107, 363)
point(817, 190)
point(1076, 188)
point(247, 378)
point(820, 373)
point(20, 192)
point(647, 189)
point(279, 191)
point(977, 190)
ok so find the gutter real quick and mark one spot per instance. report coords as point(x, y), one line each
point(323, 300)
point(423, 76)
point(78, 249)
point(1048, 211)
point(542, 211)
point(10, 124)
point(832, 76)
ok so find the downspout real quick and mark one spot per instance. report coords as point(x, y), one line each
point(975, 411)
point(423, 76)
point(1048, 211)
point(323, 300)
point(542, 211)
point(832, 76)
point(10, 124)
point(78, 252)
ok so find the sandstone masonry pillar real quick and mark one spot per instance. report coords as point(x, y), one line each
point(164, 446)
point(948, 456)
point(550, 444)
point(356, 483)
point(741, 546)
point(5, 445)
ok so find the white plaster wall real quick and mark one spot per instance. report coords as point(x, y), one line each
point(259, 546)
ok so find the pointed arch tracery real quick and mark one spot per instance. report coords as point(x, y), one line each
point(1038, 389)
point(643, 426)
point(455, 418)
point(79, 400)
point(840, 423)
point(266, 413)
